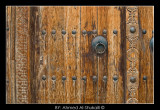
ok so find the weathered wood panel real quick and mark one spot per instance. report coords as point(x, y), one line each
point(89, 59)
point(56, 21)
point(34, 52)
point(122, 62)
point(45, 43)
point(56, 53)
point(146, 65)
point(8, 54)
point(102, 59)
point(72, 54)
point(114, 82)
point(12, 52)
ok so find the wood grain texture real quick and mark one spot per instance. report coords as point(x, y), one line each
point(89, 66)
point(56, 53)
point(43, 71)
point(122, 63)
point(115, 88)
point(103, 59)
point(72, 54)
point(146, 65)
point(32, 53)
point(13, 68)
point(8, 57)
point(11, 91)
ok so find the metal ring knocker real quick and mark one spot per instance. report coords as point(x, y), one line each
point(99, 44)
point(151, 43)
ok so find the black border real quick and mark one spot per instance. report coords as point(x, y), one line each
point(5, 3)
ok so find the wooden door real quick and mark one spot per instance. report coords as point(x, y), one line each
point(50, 58)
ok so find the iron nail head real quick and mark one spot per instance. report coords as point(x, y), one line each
point(84, 32)
point(43, 77)
point(84, 78)
point(53, 32)
point(43, 32)
point(132, 79)
point(132, 29)
point(94, 31)
point(63, 32)
point(63, 77)
point(73, 31)
point(53, 77)
point(144, 77)
point(94, 78)
point(115, 31)
point(115, 77)
point(74, 77)
point(104, 31)
point(144, 31)
point(104, 78)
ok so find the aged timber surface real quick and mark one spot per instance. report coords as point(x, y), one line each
point(8, 60)
point(34, 51)
point(39, 54)
point(146, 62)
point(72, 54)
point(88, 58)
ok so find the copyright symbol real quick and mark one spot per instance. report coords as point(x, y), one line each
point(102, 107)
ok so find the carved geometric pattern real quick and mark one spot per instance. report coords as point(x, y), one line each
point(131, 18)
point(132, 9)
point(132, 101)
point(132, 71)
point(132, 54)
point(132, 39)
point(21, 54)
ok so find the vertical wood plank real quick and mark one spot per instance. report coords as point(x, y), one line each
point(145, 86)
point(12, 54)
point(53, 19)
point(122, 63)
point(71, 55)
point(34, 52)
point(88, 61)
point(43, 79)
point(103, 59)
point(8, 56)
point(57, 54)
point(114, 87)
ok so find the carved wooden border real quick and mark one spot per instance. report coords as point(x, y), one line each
point(132, 52)
point(21, 54)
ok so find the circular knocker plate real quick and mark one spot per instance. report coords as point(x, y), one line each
point(99, 44)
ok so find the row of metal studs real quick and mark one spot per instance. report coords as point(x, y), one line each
point(132, 30)
point(115, 78)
